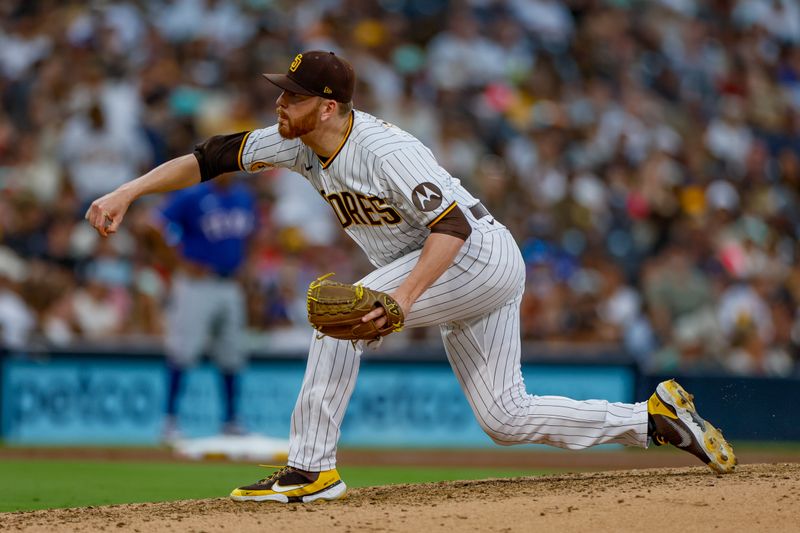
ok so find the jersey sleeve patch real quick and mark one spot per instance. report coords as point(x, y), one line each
point(258, 166)
point(427, 196)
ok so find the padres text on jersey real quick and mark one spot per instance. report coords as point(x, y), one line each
point(372, 182)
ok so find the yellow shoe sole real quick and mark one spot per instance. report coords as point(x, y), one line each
point(720, 453)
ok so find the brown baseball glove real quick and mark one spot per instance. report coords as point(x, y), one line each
point(335, 309)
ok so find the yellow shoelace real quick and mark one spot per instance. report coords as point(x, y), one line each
point(281, 470)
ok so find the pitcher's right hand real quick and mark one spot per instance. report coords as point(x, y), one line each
point(106, 213)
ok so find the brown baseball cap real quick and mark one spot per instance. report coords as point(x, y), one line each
point(318, 73)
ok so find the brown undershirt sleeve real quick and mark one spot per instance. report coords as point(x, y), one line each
point(219, 154)
point(453, 223)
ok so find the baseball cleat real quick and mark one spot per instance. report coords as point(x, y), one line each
point(675, 421)
point(289, 485)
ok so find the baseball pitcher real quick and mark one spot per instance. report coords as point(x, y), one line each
point(441, 259)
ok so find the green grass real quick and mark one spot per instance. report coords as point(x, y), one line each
point(768, 446)
point(44, 484)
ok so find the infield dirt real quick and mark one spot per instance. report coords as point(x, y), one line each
point(757, 497)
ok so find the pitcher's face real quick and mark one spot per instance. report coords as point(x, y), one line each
point(298, 114)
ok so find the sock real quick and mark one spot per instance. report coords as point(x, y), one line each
point(173, 387)
point(652, 433)
point(229, 396)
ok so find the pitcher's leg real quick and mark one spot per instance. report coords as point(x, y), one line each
point(485, 356)
point(328, 383)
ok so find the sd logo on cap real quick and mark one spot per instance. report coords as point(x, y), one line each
point(318, 73)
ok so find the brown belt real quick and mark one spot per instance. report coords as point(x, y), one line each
point(479, 211)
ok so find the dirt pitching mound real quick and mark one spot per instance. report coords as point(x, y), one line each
point(756, 497)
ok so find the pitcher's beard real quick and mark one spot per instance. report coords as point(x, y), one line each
point(303, 125)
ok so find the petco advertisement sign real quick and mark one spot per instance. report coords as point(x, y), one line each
point(69, 401)
point(74, 400)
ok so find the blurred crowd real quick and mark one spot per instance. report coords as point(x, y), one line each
point(645, 154)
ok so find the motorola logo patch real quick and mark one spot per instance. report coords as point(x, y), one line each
point(426, 196)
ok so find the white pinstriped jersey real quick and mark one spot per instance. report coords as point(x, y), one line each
point(384, 185)
point(387, 190)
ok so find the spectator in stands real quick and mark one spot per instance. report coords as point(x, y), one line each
point(99, 305)
point(98, 158)
point(17, 321)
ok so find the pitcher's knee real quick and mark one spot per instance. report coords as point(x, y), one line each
point(512, 439)
point(503, 435)
point(509, 434)
point(502, 441)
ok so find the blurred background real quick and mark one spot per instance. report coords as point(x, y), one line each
point(645, 155)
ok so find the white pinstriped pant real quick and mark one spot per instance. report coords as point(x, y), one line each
point(476, 304)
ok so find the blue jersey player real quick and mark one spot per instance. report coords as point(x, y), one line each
point(209, 225)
